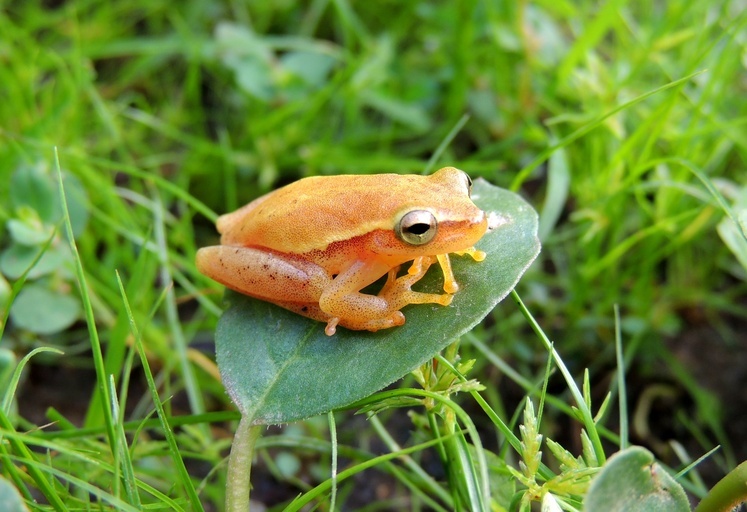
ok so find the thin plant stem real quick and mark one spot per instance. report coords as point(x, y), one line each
point(333, 442)
point(621, 391)
point(238, 479)
point(572, 386)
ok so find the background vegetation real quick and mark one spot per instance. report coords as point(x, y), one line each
point(621, 121)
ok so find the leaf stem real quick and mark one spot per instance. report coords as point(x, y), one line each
point(333, 442)
point(238, 484)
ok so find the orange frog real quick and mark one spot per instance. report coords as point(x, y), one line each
point(312, 246)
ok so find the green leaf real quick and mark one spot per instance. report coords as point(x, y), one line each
point(77, 203)
point(249, 57)
point(17, 258)
point(312, 67)
point(278, 366)
point(631, 481)
point(34, 188)
point(30, 186)
point(27, 232)
point(409, 114)
point(43, 311)
point(10, 499)
point(558, 186)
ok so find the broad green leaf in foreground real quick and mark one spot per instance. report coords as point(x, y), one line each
point(631, 481)
point(278, 366)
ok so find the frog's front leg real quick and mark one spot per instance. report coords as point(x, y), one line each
point(398, 290)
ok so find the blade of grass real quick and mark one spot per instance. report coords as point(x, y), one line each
point(412, 482)
point(413, 466)
point(26, 458)
point(461, 415)
point(596, 30)
point(588, 418)
point(524, 173)
point(194, 395)
point(165, 426)
point(97, 352)
point(462, 469)
point(621, 387)
point(8, 394)
point(123, 459)
point(80, 483)
point(85, 456)
point(512, 439)
point(323, 487)
point(445, 143)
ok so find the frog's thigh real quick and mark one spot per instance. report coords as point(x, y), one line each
point(266, 275)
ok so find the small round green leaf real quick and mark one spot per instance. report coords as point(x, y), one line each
point(631, 481)
point(35, 188)
point(43, 311)
point(17, 258)
point(278, 366)
point(28, 232)
point(31, 186)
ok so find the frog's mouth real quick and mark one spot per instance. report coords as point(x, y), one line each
point(458, 235)
point(497, 220)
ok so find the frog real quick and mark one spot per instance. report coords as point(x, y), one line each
point(312, 246)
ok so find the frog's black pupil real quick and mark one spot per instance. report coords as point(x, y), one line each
point(418, 229)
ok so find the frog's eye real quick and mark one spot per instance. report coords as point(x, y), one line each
point(417, 227)
point(469, 183)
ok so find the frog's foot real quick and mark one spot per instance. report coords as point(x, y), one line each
point(398, 293)
point(371, 324)
point(450, 284)
point(476, 254)
point(393, 320)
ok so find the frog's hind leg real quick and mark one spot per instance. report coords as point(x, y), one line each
point(313, 311)
point(307, 309)
point(264, 274)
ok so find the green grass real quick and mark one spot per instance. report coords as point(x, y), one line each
point(623, 123)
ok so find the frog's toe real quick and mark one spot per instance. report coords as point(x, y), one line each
point(396, 319)
point(331, 328)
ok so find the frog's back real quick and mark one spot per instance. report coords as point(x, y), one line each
point(314, 212)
